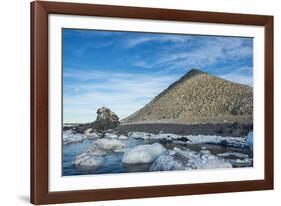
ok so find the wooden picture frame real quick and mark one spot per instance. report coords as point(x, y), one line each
point(40, 193)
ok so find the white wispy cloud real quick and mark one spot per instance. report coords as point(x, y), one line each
point(124, 93)
point(242, 75)
point(238, 78)
point(209, 53)
point(132, 42)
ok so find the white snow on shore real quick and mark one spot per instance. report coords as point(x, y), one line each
point(70, 137)
point(193, 139)
point(143, 154)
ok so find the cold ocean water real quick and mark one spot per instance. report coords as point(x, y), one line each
point(144, 152)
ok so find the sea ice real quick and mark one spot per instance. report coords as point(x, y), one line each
point(247, 162)
point(70, 137)
point(111, 135)
point(143, 153)
point(140, 135)
point(234, 154)
point(193, 139)
point(110, 144)
point(88, 160)
point(93, 156)
point(188, 159)
point(94, 149)
point(91, 134)
point(169, 162)
point(123, 137)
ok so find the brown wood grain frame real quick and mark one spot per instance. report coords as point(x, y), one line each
point(39, 102)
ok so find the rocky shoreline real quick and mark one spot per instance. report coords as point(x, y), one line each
point(221, 129)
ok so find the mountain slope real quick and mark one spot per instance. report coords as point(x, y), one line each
point(198, 96)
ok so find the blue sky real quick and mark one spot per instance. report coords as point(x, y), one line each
point(125, 70)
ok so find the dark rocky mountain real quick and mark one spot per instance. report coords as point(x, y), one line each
point(198, 97)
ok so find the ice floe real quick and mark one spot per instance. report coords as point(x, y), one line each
point(187, 159)
point(111, 135)
point(233, 154)
point(140, 135)
point(95, 149)
point(70, 137)
point(91, 134)
point(247, 162)
point(143, 153)
point(93, 156)
point(123, 137)
point(110, 144)
point(88, 160)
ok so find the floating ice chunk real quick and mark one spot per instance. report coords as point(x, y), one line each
point(247, 162)
point(88, 160)
point(234, 154)
point(91, 134)
point(94, 149)
point(110, 144)
point(169, 162)
point(211, 162)
point(93, 156)
point(140, 135)
point(250, 140)
point(70, 137)
point(111, 135)
point(188, 159)
point(121, 150)
point(143, 154)
point(100, 147)
point(123, 137)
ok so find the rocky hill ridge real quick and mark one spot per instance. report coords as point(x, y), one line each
point(198, 96)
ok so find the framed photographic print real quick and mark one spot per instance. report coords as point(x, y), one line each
point(131, 102)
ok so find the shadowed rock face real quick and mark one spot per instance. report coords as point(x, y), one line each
point(106, 119)
point(196, 96)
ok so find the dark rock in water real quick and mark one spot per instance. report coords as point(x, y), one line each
point(184, 139)
point(224, 143)
point(166, 141)
point(106, 119)
point(77, 128)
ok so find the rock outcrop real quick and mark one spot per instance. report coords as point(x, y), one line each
point(106, 119)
